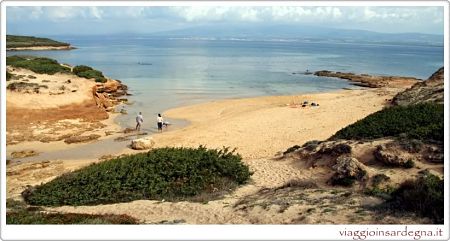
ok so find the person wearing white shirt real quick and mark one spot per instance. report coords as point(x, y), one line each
point(160, 122)
point(139, 121)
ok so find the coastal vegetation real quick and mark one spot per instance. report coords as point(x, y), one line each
point(89, 73)
point(423, 121)
point(424, 196)
point(14, 41)
point(20, 213)
point(42, 65)
point(38, 65)
point(8, 76)
point(174, 174)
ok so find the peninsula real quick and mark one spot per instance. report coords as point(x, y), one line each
point(16, 43)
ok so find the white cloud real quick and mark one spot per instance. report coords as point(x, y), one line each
point(371, 18)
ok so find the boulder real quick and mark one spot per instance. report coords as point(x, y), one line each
point(434, 154)
point(142, 143)
point(348, 169)
point(347, 166)
point(393, 155)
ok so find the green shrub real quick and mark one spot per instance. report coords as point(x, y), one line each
point(342, 181)
point(81, 68)
point(311, 145)
point(376, 191)
point(379, 178)
point(37, 64)
point(33, 217)
point(291, 149)
point(89, 73)
point(424, 196)
point(422, 121)
point(165, 173)
point(8, 76)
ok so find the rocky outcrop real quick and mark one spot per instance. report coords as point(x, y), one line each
point(80, 139)
point(348, 169)
point(370, 81)
point(392, 155)
point(22, 154)
point(430, 90)
point(142, 143)
point(106, 94)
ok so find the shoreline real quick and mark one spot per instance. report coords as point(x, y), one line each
point(40, 48)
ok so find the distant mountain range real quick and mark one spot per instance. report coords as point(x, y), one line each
point(300, 32)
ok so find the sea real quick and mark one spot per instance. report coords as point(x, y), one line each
point(167, 72)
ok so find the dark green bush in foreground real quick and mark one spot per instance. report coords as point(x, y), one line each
point(89, 73)
point(18, 212)
point(8, 75)
point(27, 217)
point(166, 173)
point(37, 64)
point(422, 121)
point(424, 196)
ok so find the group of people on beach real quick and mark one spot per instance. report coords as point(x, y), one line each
point(159, 121)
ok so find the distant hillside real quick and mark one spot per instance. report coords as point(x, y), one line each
point(430, 90)
point(14, 41)
point(302, 32)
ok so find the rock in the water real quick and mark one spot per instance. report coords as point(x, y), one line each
point(22, 154)
point(348, 169)
point(392, 155)
point(142, 143)
point(128, 130)
point(79, 139)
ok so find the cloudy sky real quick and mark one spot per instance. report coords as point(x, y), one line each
point(110, 20)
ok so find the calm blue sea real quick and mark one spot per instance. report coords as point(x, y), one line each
point(163, 73)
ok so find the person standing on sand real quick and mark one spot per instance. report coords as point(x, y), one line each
point(160, 122)
point(139, 121)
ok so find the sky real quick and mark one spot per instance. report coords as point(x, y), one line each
point(144, 20)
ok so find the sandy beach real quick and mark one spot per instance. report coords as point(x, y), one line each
point(260, 129)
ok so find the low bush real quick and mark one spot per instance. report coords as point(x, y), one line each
point(89, 73)
point(311, 145)
point(422, 121)
point(81, 68)
point(424, 196)
point(18, 212)
point(37, 64)
point(165, 173)
point(291, 149)
point(8, 76)
point(379, 178)
point(384, 193)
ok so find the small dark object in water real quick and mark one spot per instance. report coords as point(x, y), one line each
point(307, 72)
point(143, 63)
